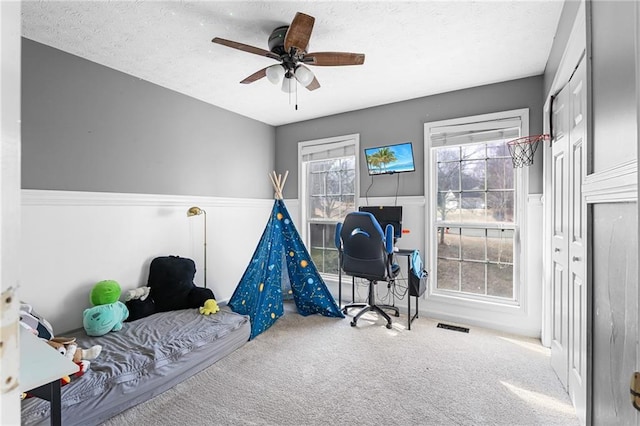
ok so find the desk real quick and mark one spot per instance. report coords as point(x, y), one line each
point(408, 253)
point(41, 368)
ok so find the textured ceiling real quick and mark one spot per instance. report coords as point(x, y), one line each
point(412, 49)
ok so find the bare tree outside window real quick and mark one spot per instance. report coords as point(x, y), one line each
point(475, 219)
point(331, 197)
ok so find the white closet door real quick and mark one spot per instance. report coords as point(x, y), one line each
point(577, 231)
point(560, 241)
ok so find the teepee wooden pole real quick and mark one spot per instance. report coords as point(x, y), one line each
point(273, 182)
point(278, 183)
point(273, 178)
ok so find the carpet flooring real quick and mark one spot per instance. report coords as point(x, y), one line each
point(321, 371)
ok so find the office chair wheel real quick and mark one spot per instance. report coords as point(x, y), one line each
point(388, 326)
point(344, 311)
point(353, 323)
point(397, 315)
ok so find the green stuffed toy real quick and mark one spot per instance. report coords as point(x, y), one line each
point(100, 320)
point(105, 292)
point(108, 313)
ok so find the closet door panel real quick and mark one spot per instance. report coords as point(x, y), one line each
point(560, 243)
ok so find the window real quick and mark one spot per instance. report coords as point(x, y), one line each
point(328, 188)
point(475, 214)
point(475, 193)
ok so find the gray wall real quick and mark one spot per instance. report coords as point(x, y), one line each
point(613, 74)
point(404, 121)
point(86, 127)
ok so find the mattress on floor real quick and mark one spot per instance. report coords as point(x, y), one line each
point(144, 359)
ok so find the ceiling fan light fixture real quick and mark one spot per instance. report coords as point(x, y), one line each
point(275, 73)
point(304, 75)
point(288, 85)
point(288, 45)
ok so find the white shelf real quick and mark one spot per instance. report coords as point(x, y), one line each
point(40, 363)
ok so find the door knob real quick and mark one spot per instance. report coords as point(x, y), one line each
point(634, 390)
point(556, 249)
point(576, 258)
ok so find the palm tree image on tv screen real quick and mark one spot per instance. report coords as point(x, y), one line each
point(390, 159)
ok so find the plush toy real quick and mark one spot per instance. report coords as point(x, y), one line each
point(108, 312)
point(210, 307)
point(68, 347)
point(105, 292)
point(138, 293)
point(101, 319)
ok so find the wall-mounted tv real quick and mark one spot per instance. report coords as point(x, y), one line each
point(390, 159)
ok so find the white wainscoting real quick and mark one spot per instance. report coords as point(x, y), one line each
point(72, 239)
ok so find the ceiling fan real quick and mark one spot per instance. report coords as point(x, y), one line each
point(288, 45)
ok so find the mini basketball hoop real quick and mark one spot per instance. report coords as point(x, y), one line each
point(523, 149)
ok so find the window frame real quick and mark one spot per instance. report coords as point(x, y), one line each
point(482, 305)
point(462, 225)
point(319, 145)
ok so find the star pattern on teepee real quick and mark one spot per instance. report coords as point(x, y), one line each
point(281, 256)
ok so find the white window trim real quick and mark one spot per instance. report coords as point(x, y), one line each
point(317, 145)
point(453, 306)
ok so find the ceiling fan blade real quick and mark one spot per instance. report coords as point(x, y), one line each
point(299, 32)
point(245, 48)
point(255, 76)
point(330, 59)
point(313, 85)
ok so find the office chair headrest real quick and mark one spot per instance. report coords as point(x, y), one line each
point(365, 223)
point(366, 218)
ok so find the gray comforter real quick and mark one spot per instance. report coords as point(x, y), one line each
point(145, 358)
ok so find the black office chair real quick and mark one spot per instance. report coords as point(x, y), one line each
point(366, 252)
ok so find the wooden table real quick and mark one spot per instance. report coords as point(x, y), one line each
point(41, 368)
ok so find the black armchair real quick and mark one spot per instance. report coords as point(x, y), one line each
point(366, 251)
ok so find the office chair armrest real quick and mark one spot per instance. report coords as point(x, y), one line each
point(337, 239)
point(388, 239)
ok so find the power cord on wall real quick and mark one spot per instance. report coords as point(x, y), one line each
point(395, 203)
point(366, 194)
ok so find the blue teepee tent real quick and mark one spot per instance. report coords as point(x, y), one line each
point(281, 254)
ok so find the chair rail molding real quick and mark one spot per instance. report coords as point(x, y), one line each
point(41, 197)
point(618, 184)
